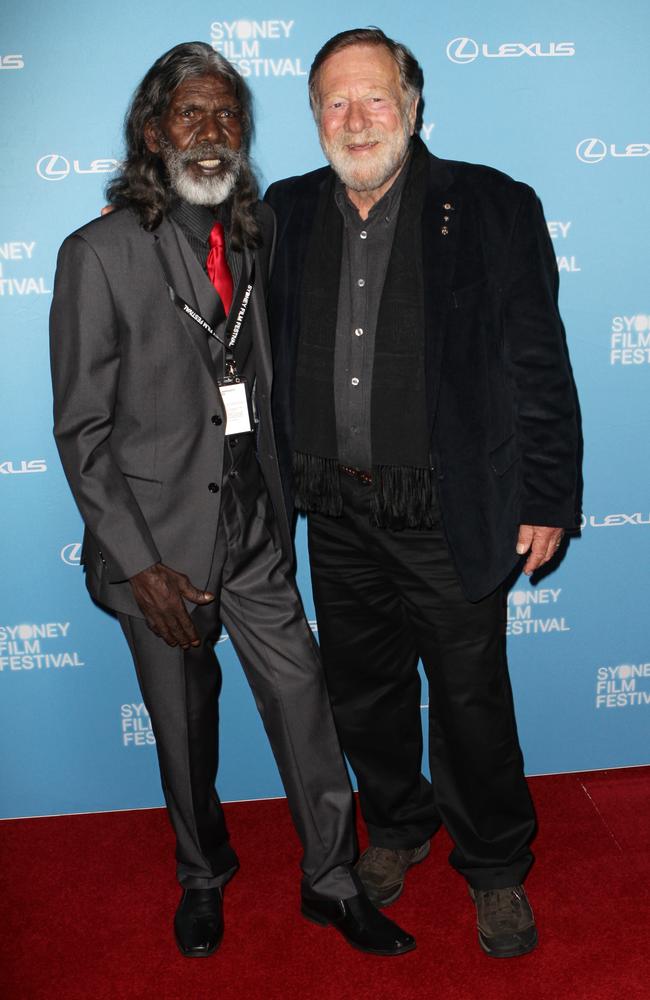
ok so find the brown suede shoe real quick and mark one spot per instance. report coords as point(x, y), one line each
point(506, 925)
point(382, 871)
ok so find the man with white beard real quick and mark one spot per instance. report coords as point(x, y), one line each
point(161, 369)
point(426, 423)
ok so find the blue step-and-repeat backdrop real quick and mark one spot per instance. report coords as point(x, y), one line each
point(553, 93)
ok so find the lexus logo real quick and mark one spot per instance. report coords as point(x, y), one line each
point(53, 167)
point(614, 520)
point(462, 50)
point(466, 50)
point(23, 467)
point(595, 150)
point(591, 150)
point(71, 554)
point(12, 62)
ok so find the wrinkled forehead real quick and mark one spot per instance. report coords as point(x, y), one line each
point(207, 86)
point(359, 66)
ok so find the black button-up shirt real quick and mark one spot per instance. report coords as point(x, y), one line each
point(365, 254)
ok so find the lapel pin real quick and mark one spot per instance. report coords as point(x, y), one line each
point(448, 207)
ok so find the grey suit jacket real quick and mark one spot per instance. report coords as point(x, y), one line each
point(138, 419)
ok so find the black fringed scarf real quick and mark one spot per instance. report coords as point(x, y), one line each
point(403, 481)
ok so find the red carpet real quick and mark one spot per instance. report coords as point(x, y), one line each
point(87, 903)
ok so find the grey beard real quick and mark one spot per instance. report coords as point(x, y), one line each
point(202, 190)
point(368, 177)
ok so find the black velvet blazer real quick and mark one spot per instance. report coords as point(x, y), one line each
point(500, 396)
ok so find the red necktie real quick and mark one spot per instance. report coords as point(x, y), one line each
point(217, 264)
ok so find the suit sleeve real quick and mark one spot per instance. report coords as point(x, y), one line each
point(85, 360)
point(537, 359)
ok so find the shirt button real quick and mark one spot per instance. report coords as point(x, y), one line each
point(361, 282)
point(216, 419)
point(363, 234)
point(355, 381)
point(213, 487)
point(358, 332)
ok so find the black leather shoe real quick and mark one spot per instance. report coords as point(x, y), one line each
point(362, 926)
point(198, 924)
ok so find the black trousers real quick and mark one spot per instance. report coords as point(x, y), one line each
point(383, 600)
point(258, 602)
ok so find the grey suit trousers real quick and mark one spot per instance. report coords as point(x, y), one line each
point(257, 601)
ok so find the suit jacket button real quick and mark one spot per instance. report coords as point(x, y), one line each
point(213, 487)
point(216, 419)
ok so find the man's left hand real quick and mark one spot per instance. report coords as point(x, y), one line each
point(541, 542)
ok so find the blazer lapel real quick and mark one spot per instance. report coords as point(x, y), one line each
point(184, 274)
point(441, 219)
point(259, 320)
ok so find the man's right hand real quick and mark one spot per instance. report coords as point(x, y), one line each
point(159, 592)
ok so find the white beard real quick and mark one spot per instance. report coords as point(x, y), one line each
point(377, 167)
point(202, 190)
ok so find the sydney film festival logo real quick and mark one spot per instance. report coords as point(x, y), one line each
point(135, 725)
point(627, 685)
point(258, 48)
point(559, 231)
point(535, 612)
point(32, 648)
point(629, 340)
point(19, 255)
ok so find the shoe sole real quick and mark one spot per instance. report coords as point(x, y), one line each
point(380, 901)
point(509, 952)
point(203, 953)
point(316, 918)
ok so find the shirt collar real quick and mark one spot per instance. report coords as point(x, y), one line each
point(198, 219)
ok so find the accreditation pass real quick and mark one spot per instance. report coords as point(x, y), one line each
point(235, 402)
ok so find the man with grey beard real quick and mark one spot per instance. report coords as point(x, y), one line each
point(426, 423)
point(161, 368)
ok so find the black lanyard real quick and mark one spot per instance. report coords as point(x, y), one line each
point(231, 339)
point(241, 312)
